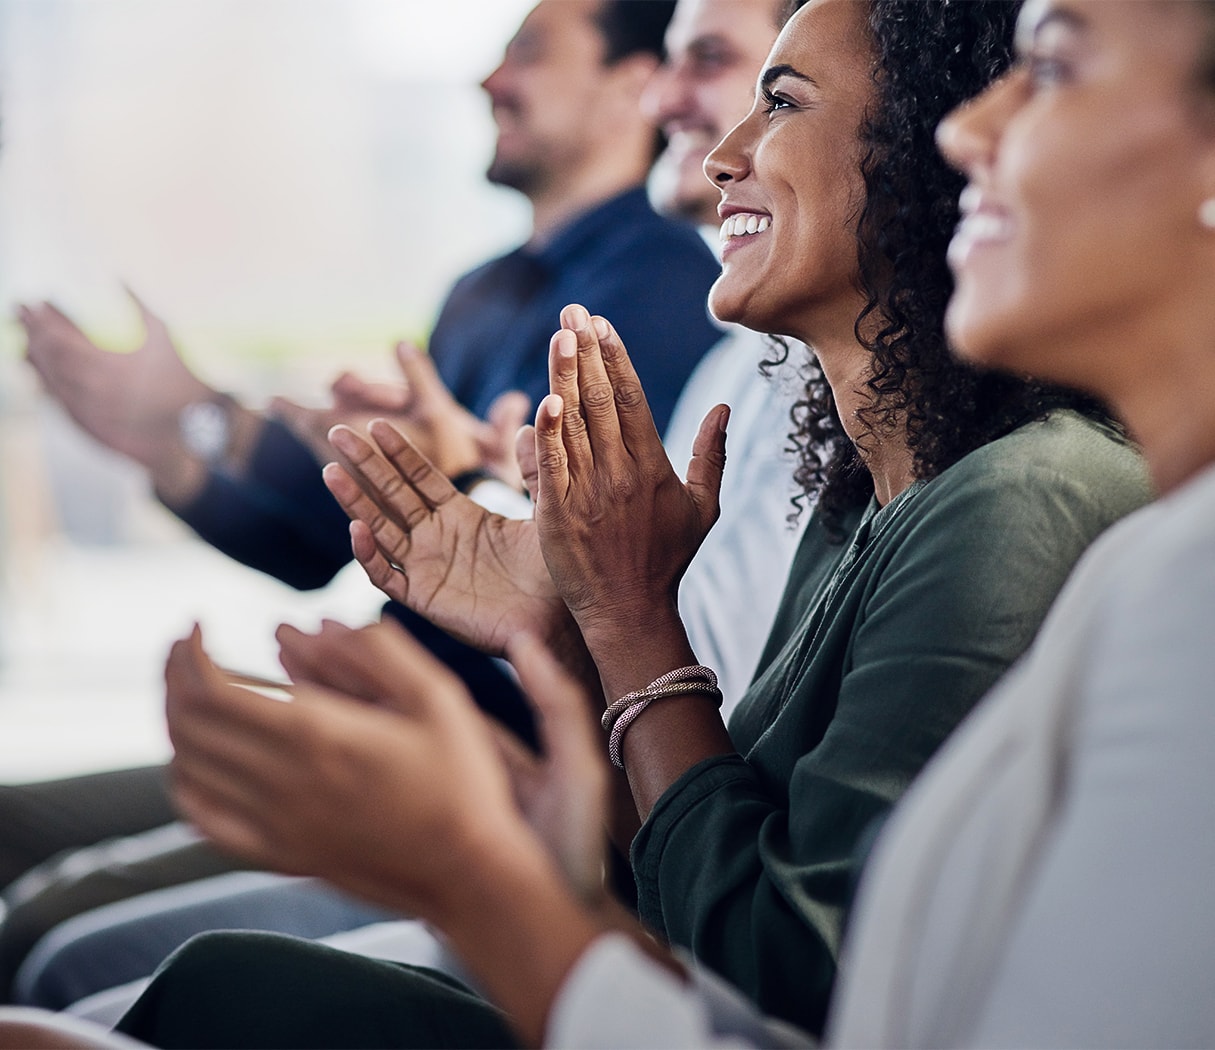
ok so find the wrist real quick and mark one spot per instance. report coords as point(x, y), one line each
point(631, 652)
point(205, 427)
point(536, 933)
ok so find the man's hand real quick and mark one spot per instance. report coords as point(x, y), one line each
point(130, 402)
point(421, 407)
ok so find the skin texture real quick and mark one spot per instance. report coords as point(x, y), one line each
point(715, 49)
point(616, 526)
point(794, 161)
point(477, 575)
point(1095, 150)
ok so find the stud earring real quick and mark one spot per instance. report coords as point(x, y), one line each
point(1206, 213)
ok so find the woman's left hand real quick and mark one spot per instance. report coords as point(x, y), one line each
point(617, 526)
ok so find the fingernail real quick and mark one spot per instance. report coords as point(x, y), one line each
point(342, 439)
point(601, 328)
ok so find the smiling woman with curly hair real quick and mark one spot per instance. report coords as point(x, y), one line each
point(927, 59)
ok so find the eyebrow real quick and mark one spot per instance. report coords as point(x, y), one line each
point(774, 73)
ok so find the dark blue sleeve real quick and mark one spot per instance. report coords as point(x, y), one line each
point(278, 518)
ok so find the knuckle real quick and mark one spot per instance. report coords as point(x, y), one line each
point(623, 487)
point(550, 458)
point(598, 396)
point(629, 395)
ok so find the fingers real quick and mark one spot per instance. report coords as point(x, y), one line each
point(389, 490)
point(552, 464)
point(224, 736)
point(565, 724)
point(708, 464)
point(310, 424)
point(305, 657)
point(368, 528)
point(352, 393)
point(596, 400)
point(383, 572)
point(420, 374)
point(563, 381)
point(236, 833)
point(634, 419)
point(430, 483)
point(508, 412)
point(153, 324)
point(380, 664)
point(53, 340)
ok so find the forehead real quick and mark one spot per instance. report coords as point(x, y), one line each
point(559, 23)
point(1137, 44)
point(745, 24)
point(827, 40)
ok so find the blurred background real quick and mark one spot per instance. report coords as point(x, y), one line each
point(293, 185)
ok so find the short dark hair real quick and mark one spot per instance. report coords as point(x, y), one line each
point(633, 27)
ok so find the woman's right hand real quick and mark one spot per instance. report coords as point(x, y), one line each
point(618, 527)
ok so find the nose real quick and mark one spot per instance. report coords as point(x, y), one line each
point(492, 84)
point(968, 137)
point(730, 159)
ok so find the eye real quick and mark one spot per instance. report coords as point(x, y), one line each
point(1046, 70)
point(709, 61)
point(774, 102)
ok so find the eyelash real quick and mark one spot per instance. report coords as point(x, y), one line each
point(1045, 70)
point(772, 102)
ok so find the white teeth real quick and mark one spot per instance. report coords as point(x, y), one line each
point(969, 198)
point(983, 226)
point(742, 225)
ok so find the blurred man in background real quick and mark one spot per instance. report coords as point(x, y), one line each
point(573, 141)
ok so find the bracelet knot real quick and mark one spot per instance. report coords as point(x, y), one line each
point(621, 714)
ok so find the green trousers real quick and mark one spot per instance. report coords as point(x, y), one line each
point(265, 990)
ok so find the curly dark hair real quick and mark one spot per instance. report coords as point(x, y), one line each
point(931, 55)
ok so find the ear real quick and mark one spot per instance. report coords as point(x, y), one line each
point(631, 74)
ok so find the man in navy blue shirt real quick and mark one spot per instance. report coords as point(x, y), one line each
point(571, 139)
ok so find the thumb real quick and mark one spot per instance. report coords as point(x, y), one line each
point(567, 730)
point(151, 322)
point(708, 464)
point(509, 412)
point(353, 393)
point(419, 372)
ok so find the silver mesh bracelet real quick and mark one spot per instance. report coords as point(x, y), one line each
point(683, 681)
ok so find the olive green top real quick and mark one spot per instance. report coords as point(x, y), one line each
point(880, 647)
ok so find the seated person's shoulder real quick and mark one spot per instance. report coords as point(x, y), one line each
point(1064, 456)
